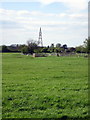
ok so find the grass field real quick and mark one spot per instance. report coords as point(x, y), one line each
point(44, 87)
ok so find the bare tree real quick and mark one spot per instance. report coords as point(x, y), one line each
point(32, 45)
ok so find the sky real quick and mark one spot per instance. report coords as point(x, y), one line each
point(61, 21)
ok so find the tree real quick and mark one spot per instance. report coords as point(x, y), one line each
point(58, 45)
point(32, 45)
point(20, 47)
point(87, 45)
point(45, 50)
point(5, 48)
point(80, 49)
point(13, 48)
point(25, 50)
point(72, 49)
point(64, 46)
point(57, 50)
point(38, 50)
point(52, 45)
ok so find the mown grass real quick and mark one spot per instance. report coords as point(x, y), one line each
point(44, 87)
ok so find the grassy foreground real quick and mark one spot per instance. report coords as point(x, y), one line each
point(44, 87)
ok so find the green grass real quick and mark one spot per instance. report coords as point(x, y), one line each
point(44, 87)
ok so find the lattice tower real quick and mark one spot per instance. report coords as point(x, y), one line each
point(40, 42)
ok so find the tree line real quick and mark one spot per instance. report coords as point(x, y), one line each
point(33, 47)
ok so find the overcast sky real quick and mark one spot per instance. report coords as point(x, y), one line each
point(62, 21)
